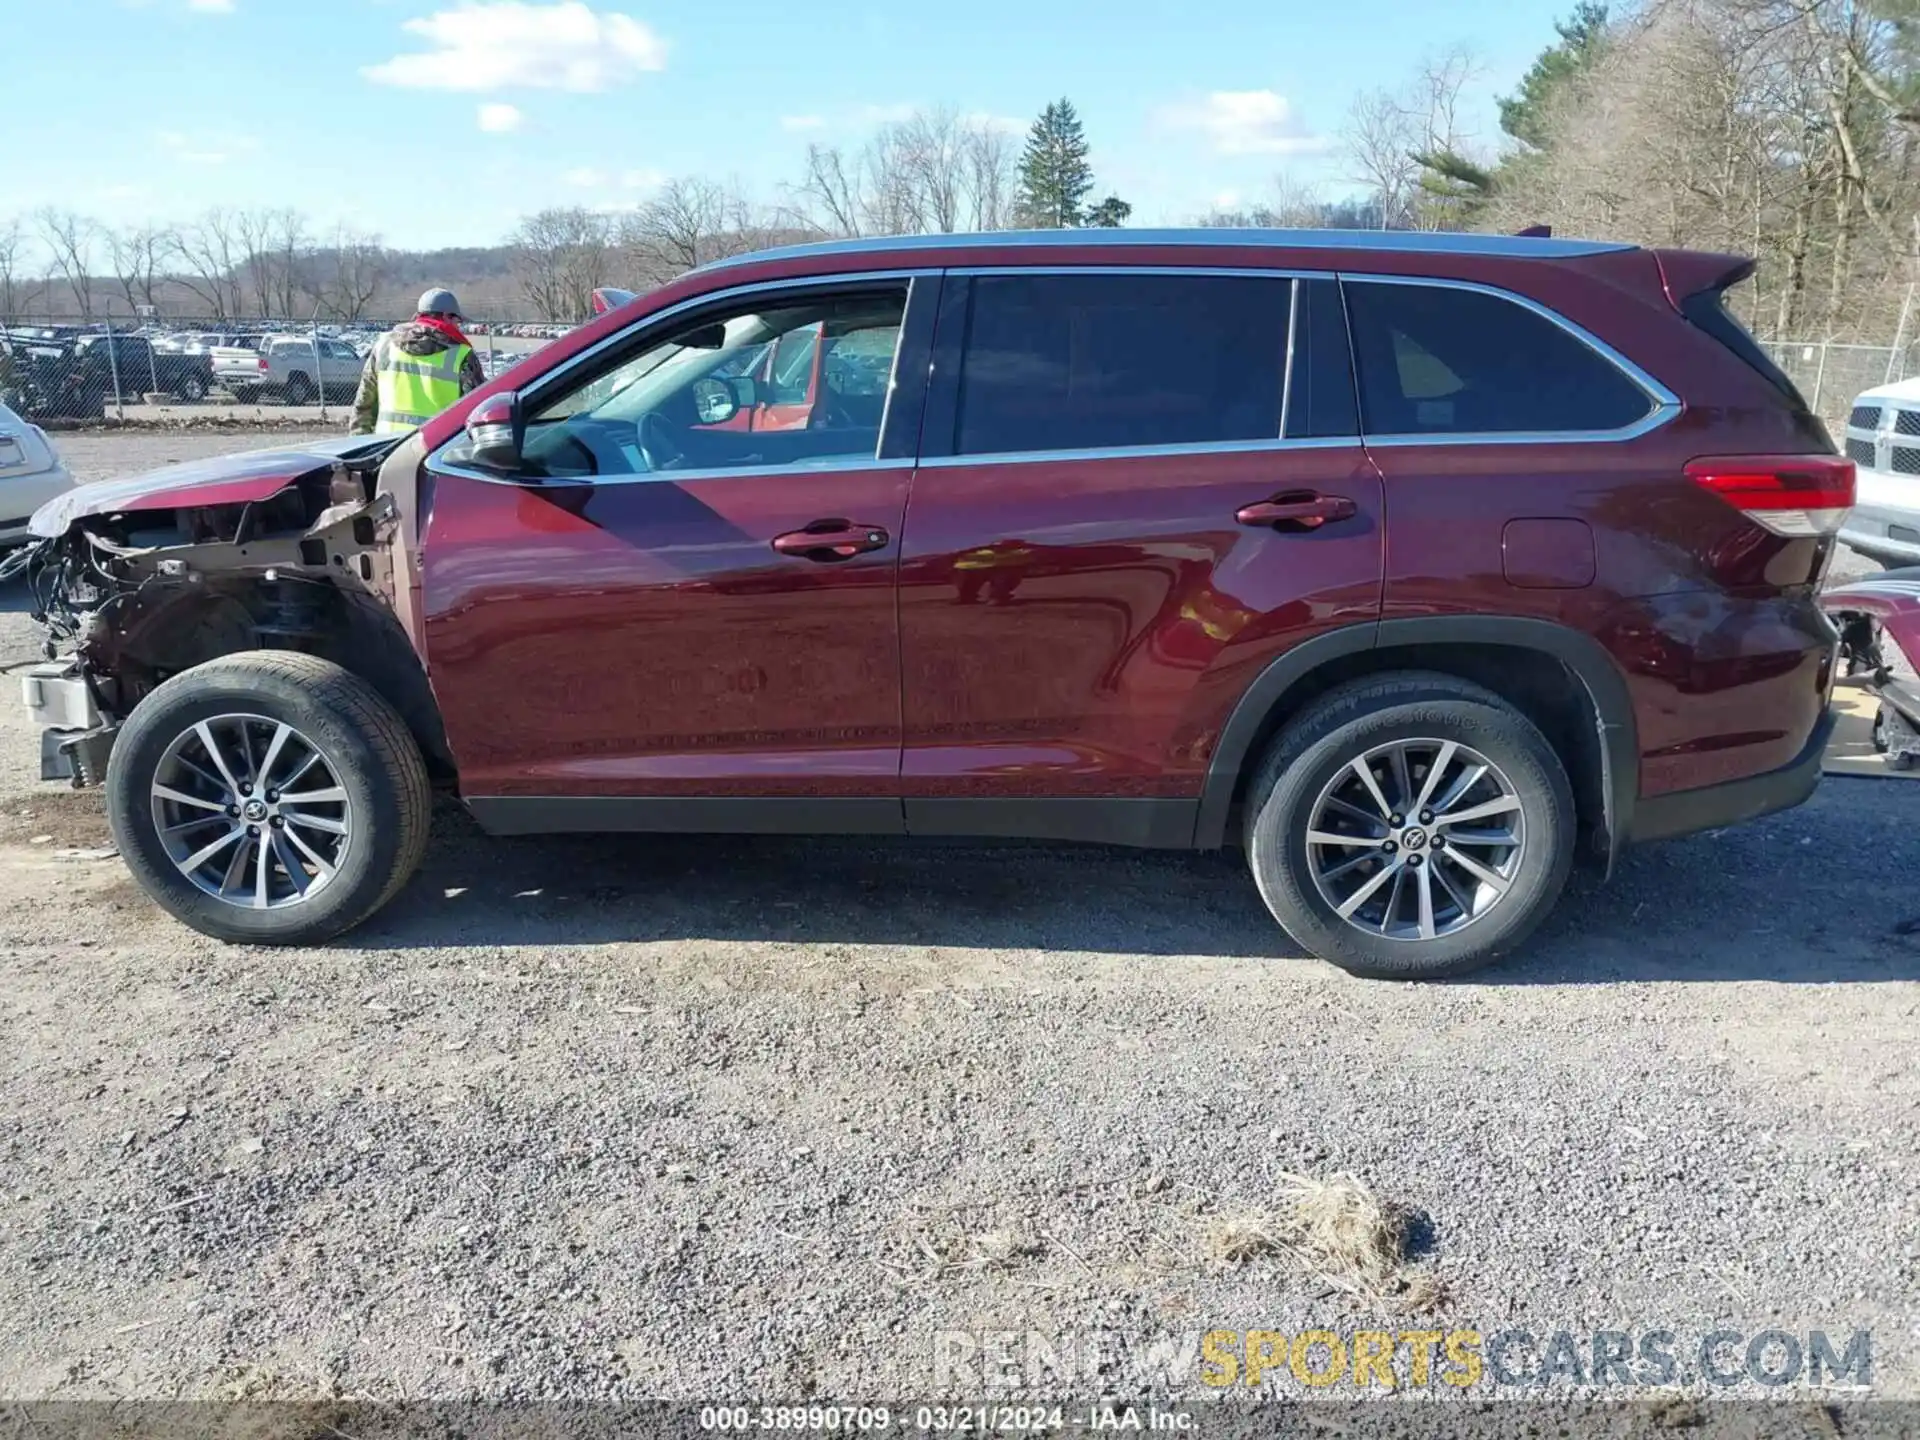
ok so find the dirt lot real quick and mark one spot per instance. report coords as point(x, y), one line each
point(731, 1118)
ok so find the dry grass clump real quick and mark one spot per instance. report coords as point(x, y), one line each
point(1338, 1229)
point(947, 1243)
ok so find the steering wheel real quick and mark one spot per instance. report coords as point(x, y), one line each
point(659, 445)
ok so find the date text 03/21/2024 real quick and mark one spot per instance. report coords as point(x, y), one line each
point(945, 1419)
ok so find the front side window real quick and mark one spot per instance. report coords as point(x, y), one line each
point(1437, 360)
point(1077, 362)
point(690, 399)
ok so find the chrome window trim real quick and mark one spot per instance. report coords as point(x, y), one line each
point(1131, 452)
point(661, 477)
point(1665, 405)
point(1286, 360)
point(1411, 242)
point(1224, 272)
point(436, 462)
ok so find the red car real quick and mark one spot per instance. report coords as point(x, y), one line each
point(1420, 566)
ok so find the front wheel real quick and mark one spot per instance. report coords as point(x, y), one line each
point(193, 389)
point(269, 797)
point(1410, 826)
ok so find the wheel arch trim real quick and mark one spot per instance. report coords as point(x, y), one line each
point(1608, 698)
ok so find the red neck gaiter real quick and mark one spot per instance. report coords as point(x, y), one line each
point(445, 327)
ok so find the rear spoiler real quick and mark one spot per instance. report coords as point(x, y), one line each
point(1688, 273)
point(1696, 282)
point(607, 298)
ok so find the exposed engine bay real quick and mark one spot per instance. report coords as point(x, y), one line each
point(134, 596)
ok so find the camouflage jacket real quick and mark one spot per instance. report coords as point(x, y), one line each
point(409, 338)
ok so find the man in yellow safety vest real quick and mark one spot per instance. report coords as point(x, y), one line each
point(416, 370)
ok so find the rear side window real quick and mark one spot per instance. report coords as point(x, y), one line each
point(1435, 360)
point(1083, 362)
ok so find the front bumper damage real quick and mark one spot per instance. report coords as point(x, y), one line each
point(75, 740)
point(132, 596)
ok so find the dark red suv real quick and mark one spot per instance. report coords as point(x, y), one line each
point(1418, 565)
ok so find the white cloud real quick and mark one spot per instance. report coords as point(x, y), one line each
point(202, 149)
point(884, 114)
point(1005, 124)
point(803, 122)
point(585, 177)
point(509, 44)
point(497, 119)
point(643, 179)
point(1244, 122)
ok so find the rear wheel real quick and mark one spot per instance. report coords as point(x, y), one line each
point(1410, 826)
point(193, 389)
point(269, 797)
point(299, 389)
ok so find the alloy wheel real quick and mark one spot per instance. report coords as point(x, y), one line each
point(251, 811)
point(1416, 839)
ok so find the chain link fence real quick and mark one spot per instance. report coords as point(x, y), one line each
point(135, 367)
point(1830, 373)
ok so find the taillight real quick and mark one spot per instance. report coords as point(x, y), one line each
point(1788, 494)
point(263, 362)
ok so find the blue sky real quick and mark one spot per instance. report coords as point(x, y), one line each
point(437, 122)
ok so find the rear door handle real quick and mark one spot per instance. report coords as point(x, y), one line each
point(830, 540)
point(1298, 510)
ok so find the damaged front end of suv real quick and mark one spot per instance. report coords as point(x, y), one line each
point(139, 580)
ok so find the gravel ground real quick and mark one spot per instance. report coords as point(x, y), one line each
point(728, 1118)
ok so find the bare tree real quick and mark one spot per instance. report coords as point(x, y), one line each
point(1378, 143)
point(292, 263)
point(209, 249)
point(358, 266)
point(70, 239)
point(987, 156)
point(830, 188)
point(687, 223)
point(560, 257)
point(934, 171)
point(254, 230)
point(11, 292)
point(139, 254)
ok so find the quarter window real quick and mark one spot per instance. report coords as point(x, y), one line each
point(1437, 360)
point(1078, 362)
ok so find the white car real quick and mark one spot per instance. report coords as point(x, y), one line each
point(30, 475)
point(1883, 441)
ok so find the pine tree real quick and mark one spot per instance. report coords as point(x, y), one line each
point(1109, 213)
point(1583, 39)
point(1054, 173)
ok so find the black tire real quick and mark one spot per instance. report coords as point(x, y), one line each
point(193, 389)
point(299, 389)
point(365, 743)
point(1350, 721)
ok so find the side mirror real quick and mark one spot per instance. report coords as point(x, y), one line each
point(714, 401)
point(496, 430)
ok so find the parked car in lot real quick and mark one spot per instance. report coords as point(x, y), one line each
point(42, 379)
point(30, 475)
point(299, 369)
point(1883, 441)
point(128, 366)
point(1419, 566)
